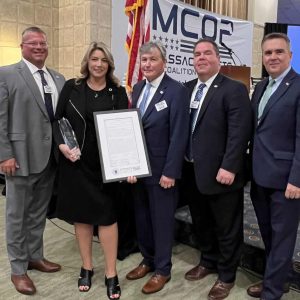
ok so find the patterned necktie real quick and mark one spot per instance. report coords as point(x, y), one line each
point(193, 118)
point(47, 97)
point(265, 98)
point(143, 103)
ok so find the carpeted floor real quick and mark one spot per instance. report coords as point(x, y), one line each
point(60, 247)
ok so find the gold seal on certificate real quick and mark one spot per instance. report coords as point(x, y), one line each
point(121, 144)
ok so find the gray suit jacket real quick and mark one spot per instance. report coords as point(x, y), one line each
point(25, 128)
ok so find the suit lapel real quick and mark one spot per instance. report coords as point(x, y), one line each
point(277, 95)
point(209, 97)
point(191, 85)
point(156, 97)
point(260, 89)
point(58, 80)
point(137, 92)
point(31, 83)
point(79, 98)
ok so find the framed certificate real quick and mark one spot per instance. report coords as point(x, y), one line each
point(121, 144)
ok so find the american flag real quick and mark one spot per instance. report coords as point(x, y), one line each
point(138, 12)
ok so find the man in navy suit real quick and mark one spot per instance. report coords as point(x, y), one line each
point(275, 188)
point(214, 172)
point(165, 111)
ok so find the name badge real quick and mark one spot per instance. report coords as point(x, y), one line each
point(161, 105)
point(195, 104)
point(47, 89)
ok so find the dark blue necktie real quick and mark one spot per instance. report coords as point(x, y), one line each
point(193, 119)
point(47, 97)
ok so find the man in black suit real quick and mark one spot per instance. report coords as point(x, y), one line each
point(214, 173)
point(275, 188)
point(165, 114)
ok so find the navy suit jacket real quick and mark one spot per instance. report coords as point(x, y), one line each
point(166, 130)
point(276, 141)
point(221, 134)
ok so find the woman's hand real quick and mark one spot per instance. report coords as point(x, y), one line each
point(72, 155)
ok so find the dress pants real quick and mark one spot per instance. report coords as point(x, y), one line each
point(27, 199)
point(154, 213)
point(278, 220)
point(218, 226)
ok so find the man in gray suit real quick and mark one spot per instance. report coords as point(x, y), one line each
point(28, 96)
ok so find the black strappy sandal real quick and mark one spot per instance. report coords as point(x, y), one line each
point(113, 287)
point(85, 279)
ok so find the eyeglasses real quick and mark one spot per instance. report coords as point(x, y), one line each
point(36, 44)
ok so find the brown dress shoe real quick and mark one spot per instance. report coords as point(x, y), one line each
point(155, 283)
point(220, 290)
point(198, 273)
point(255, 290)
point(23, 284)
point(44, 265)
point(139, 272)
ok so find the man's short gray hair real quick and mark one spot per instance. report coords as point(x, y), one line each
point(146, 48)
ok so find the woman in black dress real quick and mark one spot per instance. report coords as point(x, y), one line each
point(83, 198)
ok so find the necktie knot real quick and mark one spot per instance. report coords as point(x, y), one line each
point(271, 82)
point(201, 86)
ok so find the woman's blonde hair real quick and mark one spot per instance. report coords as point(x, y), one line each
point(84, 70)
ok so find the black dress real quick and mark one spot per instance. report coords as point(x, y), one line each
point(82, 195)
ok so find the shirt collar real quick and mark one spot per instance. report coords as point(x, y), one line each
point(33, 69)
point(156, 82)
point(281, 76)
point(207, 82)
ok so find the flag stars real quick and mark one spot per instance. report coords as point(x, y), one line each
point(166, 39)
point(154, 37)
point(160, 38)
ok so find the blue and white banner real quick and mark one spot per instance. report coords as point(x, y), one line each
point(179, 26)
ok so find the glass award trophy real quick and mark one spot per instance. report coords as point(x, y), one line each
point(68, 133)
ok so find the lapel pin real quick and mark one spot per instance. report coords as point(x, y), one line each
point(161, 92)
point(215, 86)
point(287, 83)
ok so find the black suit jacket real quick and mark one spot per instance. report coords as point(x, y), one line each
point(221, 134)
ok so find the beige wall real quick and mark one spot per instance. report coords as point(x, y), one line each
point(80, 23)
point(71, 25)
point(260, 12)
point(16, 15)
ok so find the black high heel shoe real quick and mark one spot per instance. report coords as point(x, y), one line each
point(113, 287)
point(85, 279)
